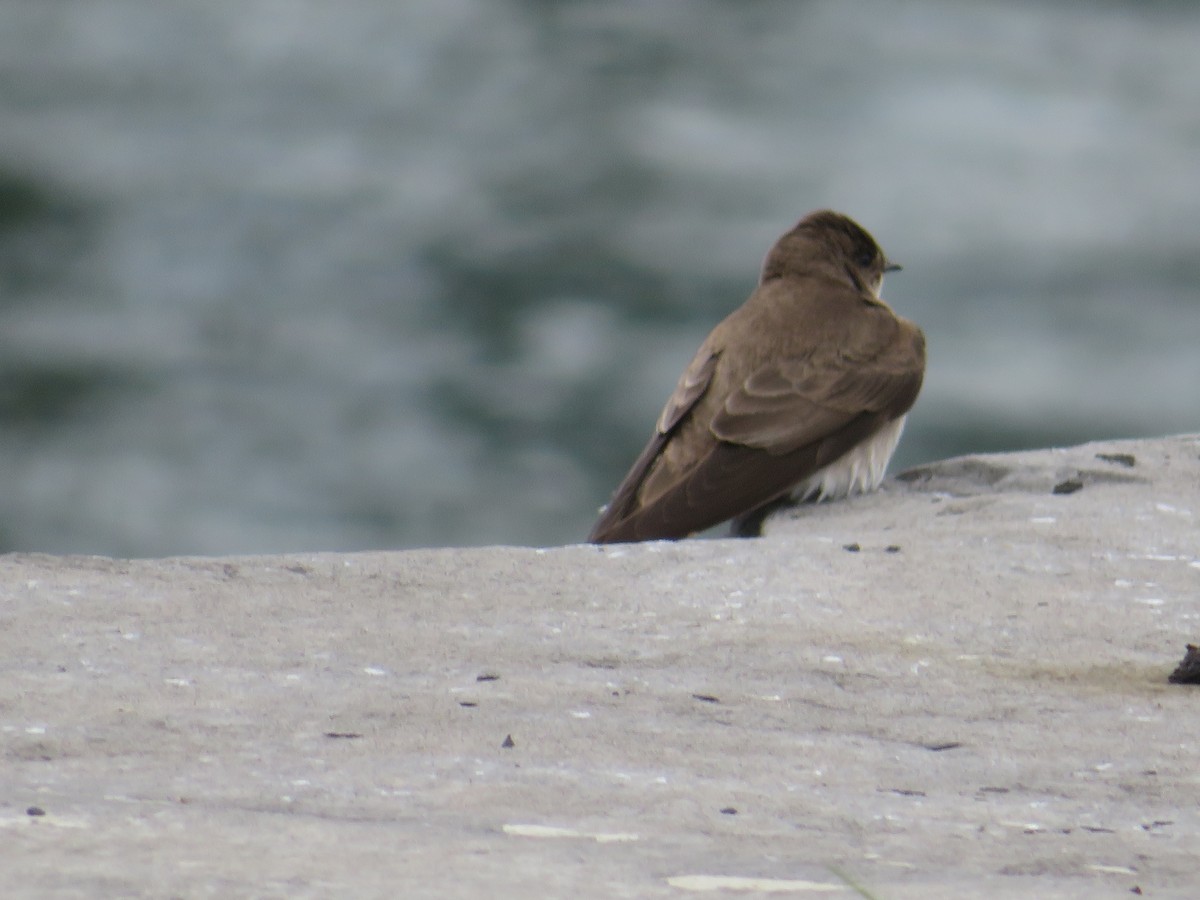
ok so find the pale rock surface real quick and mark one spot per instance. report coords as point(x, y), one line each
point(974, 702)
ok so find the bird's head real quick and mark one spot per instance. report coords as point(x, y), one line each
point(827, 242)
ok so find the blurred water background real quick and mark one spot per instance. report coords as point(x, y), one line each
point(290, 275)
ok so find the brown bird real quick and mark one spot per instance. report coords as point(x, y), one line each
point(800, 394)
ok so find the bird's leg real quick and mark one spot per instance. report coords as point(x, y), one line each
point(749, 525)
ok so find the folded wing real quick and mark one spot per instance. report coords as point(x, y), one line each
point(785, 421)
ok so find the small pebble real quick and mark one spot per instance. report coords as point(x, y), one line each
point(1188, 671)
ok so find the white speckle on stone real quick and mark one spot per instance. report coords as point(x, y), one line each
point(832, 659)
point(552, 831)
point(178, 682)
point(131, 635)
point(1043, 520)
point(1112, 870)
point(1024, 826)
point(1149, 601)
point(615, 837)
point(372, 670)
point(1172, 510)
point(580, 714)
point(710, 883)
point(1123, 583)
point(35, 729)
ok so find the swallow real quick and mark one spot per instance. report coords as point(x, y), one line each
point(800, 394)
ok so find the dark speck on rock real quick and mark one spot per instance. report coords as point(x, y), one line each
point(948, 745)
point(35, 811)
point(509, 743)
point(852, 548)
point(729, 811)
point(892, 548)
point(487, 676)
point(1070, 486)
point(1128, 460)
point(1188, 671)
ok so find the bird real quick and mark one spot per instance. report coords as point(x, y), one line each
point(800, 394)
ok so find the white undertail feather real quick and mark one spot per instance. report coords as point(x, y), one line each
point(859, 471)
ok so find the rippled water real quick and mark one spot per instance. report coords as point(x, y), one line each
point(286, 276)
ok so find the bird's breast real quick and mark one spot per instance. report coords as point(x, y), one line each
point(856, 472)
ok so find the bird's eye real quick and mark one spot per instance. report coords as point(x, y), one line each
point(865, 257)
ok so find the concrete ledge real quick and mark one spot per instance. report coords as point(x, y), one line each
point(955, 687)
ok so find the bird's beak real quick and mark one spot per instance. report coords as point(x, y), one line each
point(893, 267)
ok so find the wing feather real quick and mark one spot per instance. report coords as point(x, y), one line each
point(788, 404)
point(694, 381)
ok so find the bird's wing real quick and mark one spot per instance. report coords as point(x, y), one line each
point(691, 387)
point(794, 402)
point(787, 420)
